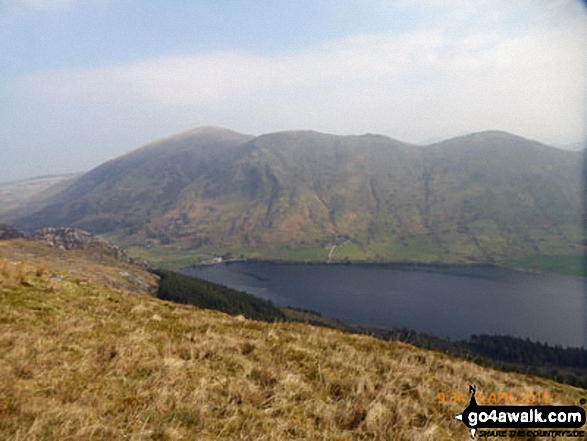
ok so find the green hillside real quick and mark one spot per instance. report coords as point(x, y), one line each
point(484, 197)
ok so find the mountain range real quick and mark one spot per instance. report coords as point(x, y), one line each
point(306, 195)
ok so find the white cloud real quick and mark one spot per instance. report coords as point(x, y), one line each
point(218, 76)
point(413, 86)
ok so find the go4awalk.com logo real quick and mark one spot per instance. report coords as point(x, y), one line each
point(559, 420)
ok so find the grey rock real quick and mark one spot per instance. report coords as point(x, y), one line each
point(78, 239)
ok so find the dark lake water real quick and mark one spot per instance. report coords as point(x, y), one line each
point(450, 302)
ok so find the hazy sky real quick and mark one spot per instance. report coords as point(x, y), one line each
point(83, 81)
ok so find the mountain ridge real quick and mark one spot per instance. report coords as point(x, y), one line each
point(474, 198)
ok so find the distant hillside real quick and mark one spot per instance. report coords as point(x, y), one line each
point(312, 196)
point(84, 357)
point(23, 197)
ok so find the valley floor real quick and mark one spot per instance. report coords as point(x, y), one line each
point(175, 257)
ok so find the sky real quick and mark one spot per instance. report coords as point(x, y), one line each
point(84, 81)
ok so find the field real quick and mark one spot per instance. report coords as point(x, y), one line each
point(418, 251)
point(571, 265)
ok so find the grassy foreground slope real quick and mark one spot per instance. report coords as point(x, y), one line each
point(87, 358)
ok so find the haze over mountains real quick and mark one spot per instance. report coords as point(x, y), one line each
point(23, 197)
point(478, 197)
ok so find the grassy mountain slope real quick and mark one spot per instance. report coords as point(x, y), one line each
point(127, 192)
point(296, 195)
point(85, 358)
point(509, 196)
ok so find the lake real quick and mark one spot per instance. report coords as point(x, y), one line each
point(452, 302)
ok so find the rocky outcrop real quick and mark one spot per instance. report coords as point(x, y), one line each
point(69, 238)
point(7, 232)
point(78, 239)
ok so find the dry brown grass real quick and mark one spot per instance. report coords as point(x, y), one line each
point(91, 266)
point(83, 360)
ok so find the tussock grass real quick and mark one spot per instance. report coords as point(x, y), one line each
point(85, 360)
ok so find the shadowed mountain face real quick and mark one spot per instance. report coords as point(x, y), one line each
point(473, 198)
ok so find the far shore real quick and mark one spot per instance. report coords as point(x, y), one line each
point(407, 266)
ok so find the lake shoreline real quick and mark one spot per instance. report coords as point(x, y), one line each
point(408, 266)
